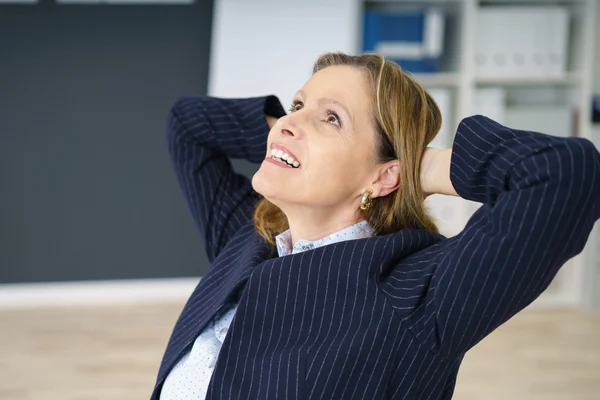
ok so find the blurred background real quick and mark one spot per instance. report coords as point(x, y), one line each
point(99, 252)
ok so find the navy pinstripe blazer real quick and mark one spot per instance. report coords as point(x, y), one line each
point(386, 317)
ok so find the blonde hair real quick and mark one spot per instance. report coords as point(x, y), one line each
point(406, 119)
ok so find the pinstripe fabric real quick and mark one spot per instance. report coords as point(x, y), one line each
point(381, 317)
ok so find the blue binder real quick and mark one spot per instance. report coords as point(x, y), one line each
point(412, 38)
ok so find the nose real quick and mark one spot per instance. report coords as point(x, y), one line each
point(287, 132)
point(291, 125)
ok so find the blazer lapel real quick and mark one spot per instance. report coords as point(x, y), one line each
point(226, 276)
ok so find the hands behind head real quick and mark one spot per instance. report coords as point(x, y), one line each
point(435, 172)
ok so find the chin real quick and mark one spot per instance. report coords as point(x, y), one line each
point(262, 185)
point(267, 188)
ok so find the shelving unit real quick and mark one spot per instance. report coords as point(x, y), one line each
point(443, 79)
point(459, 76)
point(571, 79)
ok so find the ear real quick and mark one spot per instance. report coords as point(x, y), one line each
point(387, 179)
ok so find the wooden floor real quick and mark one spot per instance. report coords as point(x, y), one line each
point(113, 353)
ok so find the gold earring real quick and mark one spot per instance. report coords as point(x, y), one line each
point(366, 202)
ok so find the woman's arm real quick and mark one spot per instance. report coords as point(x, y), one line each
point(271, 120)
point(203, 133)
point(541, 197)
point(435, 172)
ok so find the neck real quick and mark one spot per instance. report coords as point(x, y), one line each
point(314, 224)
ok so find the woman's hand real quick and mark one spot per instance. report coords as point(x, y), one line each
point(428, 170)
point(270, 121)
point(435, 172)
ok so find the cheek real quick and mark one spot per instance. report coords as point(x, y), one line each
point(336, 171)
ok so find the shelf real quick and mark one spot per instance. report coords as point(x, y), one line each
point(482, 3)
point(568, 80)
point(530, 2)
point(437, 79)
point(411, 2)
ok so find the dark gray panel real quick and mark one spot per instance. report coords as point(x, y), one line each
point(87, 187)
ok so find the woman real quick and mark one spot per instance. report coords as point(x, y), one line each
point(328, 279)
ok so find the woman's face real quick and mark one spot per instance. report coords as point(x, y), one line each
point(329, 135)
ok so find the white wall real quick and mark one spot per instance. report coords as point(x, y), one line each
point(268, 46)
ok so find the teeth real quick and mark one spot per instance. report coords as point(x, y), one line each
point(282, 156)
point(295, 164)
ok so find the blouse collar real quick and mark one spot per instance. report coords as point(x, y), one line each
point(359, 230)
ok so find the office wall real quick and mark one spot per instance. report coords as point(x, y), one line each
point(87, 191)
point(269, 46)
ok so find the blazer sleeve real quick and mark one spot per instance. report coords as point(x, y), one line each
point(202, 134)
point(540, 199)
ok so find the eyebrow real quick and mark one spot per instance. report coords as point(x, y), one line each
point(326, 100)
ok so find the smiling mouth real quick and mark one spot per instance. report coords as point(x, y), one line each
point(284, 158)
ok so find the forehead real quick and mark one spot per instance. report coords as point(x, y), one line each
point(345, 84)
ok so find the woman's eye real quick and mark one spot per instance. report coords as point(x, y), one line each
point(333, 119)
point(295, 106)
